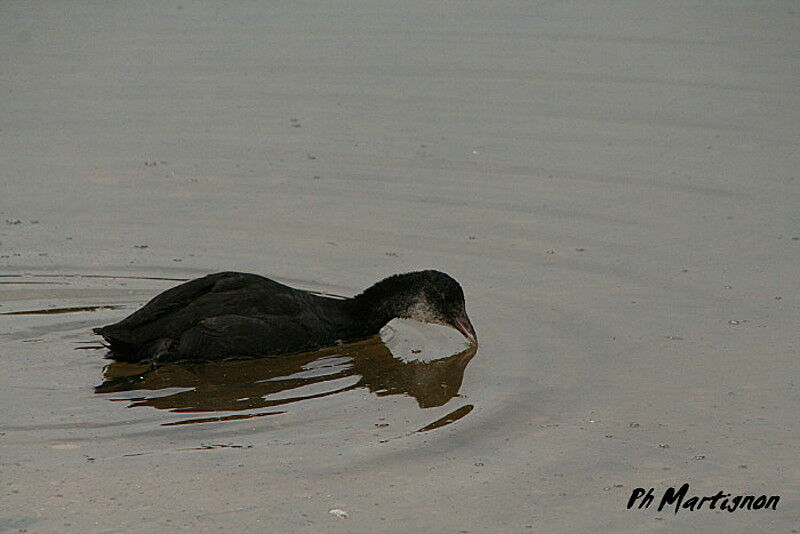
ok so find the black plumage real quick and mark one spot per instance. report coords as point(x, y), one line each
point(238, 315)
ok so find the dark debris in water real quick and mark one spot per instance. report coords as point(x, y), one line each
point(235, 417)
point(36, 283)
point(54, 311)
point(207, 446)
point(452, 417)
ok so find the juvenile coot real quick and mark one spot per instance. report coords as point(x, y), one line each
point(238, 315)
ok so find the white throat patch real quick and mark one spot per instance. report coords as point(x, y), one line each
point(421, 311)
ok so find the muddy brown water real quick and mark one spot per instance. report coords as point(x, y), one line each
point(614, 184)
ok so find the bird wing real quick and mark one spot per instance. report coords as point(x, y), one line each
point(179, 308)
point(236, 336)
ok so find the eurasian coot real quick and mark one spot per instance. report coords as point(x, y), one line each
point(238, 315)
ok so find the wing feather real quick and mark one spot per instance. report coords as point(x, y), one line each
point(179, 308)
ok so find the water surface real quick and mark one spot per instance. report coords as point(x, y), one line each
point(613, 183)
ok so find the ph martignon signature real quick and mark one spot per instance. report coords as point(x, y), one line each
point(720, 500)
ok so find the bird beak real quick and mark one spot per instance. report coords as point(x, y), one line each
point(463, 325)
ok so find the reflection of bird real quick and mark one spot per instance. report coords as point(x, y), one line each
point(237, 315)
point(432, 383)
point(260, 383)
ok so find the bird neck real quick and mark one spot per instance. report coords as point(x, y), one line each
point(386, 300)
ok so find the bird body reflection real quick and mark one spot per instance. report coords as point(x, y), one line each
point(274, 382)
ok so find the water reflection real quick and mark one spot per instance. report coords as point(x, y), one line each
point(274, 382)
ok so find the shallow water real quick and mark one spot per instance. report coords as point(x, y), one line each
point(614, 184)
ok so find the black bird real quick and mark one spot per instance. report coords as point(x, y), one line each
point(232, 315)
